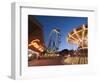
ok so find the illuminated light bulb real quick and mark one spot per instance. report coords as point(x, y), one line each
point(29, 55)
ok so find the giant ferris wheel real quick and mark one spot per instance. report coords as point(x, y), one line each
point(54, 41)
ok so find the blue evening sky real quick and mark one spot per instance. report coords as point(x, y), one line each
point(65, 24)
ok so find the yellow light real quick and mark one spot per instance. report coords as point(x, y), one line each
point(78, 37)
point(35, 43)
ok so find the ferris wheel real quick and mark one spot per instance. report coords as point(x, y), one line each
point(54, 40)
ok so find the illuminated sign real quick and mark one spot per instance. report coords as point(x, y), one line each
point(36, 43)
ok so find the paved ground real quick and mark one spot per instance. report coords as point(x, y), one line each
point(45, 62)
point(58, 61)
